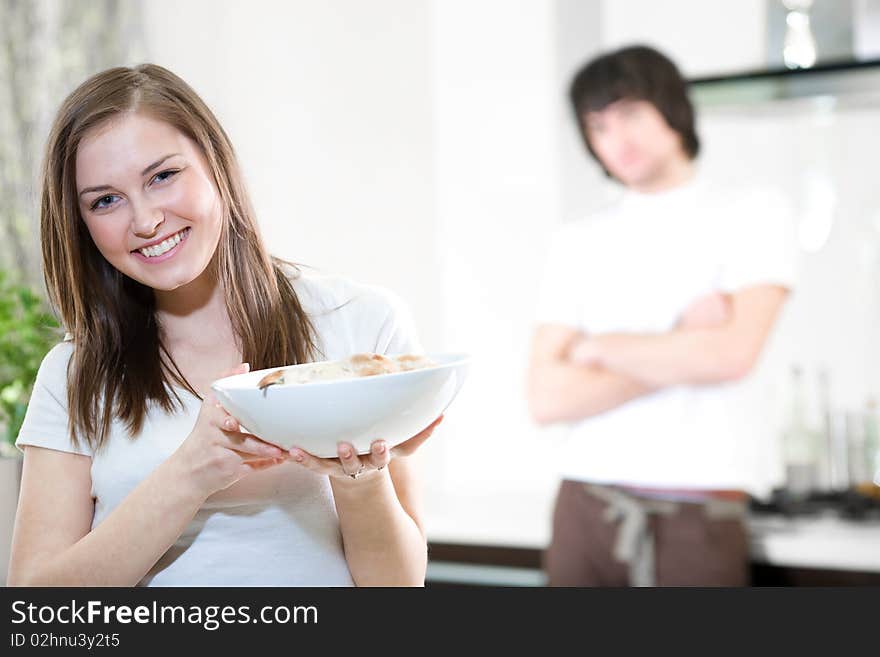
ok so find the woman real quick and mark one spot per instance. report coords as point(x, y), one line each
point(133, 473)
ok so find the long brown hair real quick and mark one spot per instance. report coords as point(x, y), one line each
point(120, 363)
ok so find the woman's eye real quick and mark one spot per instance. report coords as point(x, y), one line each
point(165, 175)
point(103, 202)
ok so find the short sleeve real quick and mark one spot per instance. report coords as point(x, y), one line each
point(46, 418)
point(397, 334)
point(761, 247)
point(555, 303)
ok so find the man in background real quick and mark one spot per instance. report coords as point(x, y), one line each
point(649, 312)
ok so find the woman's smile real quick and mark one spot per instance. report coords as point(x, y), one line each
point(164, 250)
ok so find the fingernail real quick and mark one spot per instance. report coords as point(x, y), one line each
point(227, 423)
point(297, 455)
point(346, 452)
point(380, 448)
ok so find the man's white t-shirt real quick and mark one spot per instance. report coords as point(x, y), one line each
point(634, 268)
point(276, 527)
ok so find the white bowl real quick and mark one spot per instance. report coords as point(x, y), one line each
point(317, 416)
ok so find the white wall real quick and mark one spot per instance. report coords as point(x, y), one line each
point(329, 107)
point(496, 140)
point(578, 36)
point(704, 37)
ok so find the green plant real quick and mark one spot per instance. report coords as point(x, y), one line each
point(27, 332)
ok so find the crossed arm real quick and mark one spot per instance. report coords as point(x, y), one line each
point(719, 338)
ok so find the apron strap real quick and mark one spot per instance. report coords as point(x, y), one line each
point(634, 544)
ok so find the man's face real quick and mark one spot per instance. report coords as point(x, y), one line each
point(633, 141)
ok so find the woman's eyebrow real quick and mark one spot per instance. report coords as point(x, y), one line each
point(101, 188)
point(157, 163)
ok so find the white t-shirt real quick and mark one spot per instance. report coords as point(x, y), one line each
point(634, 268)
point(277, 527)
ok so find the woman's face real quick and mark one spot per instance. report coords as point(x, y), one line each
point(140, 181)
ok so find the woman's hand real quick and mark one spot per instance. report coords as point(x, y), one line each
point(216, 453)
point(351, 465)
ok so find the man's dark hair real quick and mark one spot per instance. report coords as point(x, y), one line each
point(636, 73)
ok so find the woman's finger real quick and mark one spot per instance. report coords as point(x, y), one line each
point(247, 443)
point(226, 422)
point(380, 455)
point(348, 457)
point(313, 463)
point(248, 457)
point(259, 464)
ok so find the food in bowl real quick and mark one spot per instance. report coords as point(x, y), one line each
point(393, 406)
point(367, 364)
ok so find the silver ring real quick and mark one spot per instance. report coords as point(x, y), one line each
point(355, 475)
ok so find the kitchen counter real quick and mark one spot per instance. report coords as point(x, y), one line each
point(825, 541)
point(506, 524)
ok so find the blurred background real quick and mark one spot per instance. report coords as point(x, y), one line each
point(426, 146)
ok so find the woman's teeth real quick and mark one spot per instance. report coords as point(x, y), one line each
point(164, 247)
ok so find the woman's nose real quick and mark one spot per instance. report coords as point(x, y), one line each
point(146, 221)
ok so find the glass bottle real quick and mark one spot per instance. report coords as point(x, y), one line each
point(799, 443)
point(870, 481)
point(824, 437)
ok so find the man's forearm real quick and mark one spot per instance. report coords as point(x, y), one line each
point(691, 357)
point(564, 392)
